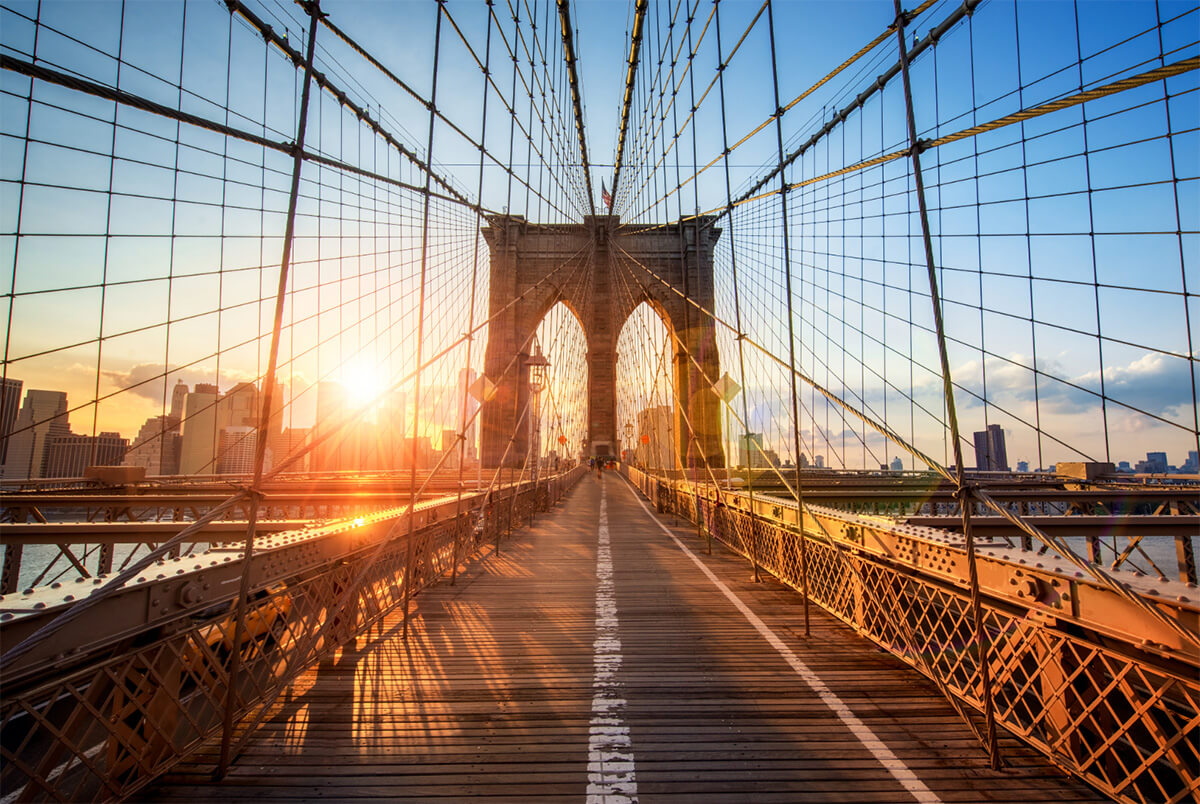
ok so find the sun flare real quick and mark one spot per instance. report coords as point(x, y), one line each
point(363, 385)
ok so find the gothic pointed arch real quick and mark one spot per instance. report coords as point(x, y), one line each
point(601, 271)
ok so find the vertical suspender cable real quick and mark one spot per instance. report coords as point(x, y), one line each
point(412, 454)
point(314, 11)
point(787, 282)
point(737, 303)
point(963, 491)
point(462, 430)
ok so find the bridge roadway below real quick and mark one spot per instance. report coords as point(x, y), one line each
point(522, 682)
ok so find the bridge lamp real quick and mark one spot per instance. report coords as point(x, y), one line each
point(539, 368)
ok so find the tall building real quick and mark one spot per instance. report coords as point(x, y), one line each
point(1156, 462)
point(466, 377)
point(10, 404)
point(178, 399)
point(288, 443)
point(42, 418)
point(897, 464)
point(391, 419)
point(449, 445)
point(1192, 465)
point(198, 448)
point(750, 451)
point(235, 453)
point(156, 446)
point(239, 407)
point(418, 452)
point(332, 453)
point(68, 455)
point(990, 453)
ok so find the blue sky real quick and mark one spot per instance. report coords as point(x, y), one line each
point(124, 237)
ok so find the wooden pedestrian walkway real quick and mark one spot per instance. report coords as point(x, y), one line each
point(544, 674)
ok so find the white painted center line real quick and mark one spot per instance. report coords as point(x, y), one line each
point(894, 765)
point(611, 778)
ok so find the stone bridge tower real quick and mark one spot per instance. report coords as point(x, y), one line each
point(578, 264)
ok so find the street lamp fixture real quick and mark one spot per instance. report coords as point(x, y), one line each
point(538, 367)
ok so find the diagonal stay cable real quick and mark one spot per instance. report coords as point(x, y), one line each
point(635, 44)
point(564, 14)
point(1060, 547)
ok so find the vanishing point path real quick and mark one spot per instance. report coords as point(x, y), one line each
point(603, 657)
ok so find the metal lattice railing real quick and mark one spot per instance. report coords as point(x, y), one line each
point(100, 724)
point(1122, 718)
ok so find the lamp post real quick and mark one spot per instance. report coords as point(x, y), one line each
point(538, 366)
point(629, 445)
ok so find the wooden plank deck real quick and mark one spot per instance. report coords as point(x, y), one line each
point(498, 689)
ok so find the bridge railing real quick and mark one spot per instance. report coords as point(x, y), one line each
point(1073, 672)
point(95, 712)
point(58, 535)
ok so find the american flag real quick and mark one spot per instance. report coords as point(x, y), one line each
point(605, 196)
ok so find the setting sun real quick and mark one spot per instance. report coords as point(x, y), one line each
point(363, 384)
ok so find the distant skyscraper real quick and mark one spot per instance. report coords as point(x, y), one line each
point(390, 425)
point(1156, 462)
point(419, 452)
point(819, 461)
point(42, 418)
point(897, 464)
point(200, 432)
point(236, 450)
point(156, 446)
point(10, 405)
point(450, 444)
point(68, 455)
point(178, 399)
point(750, 451)
point(288, 443)
point(465, 379)
point(991, 455)
point(1022, 466)
point(331, 454)
point(1192, 465)
point(239, 407)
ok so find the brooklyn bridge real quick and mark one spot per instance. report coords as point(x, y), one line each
point(689, 400)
